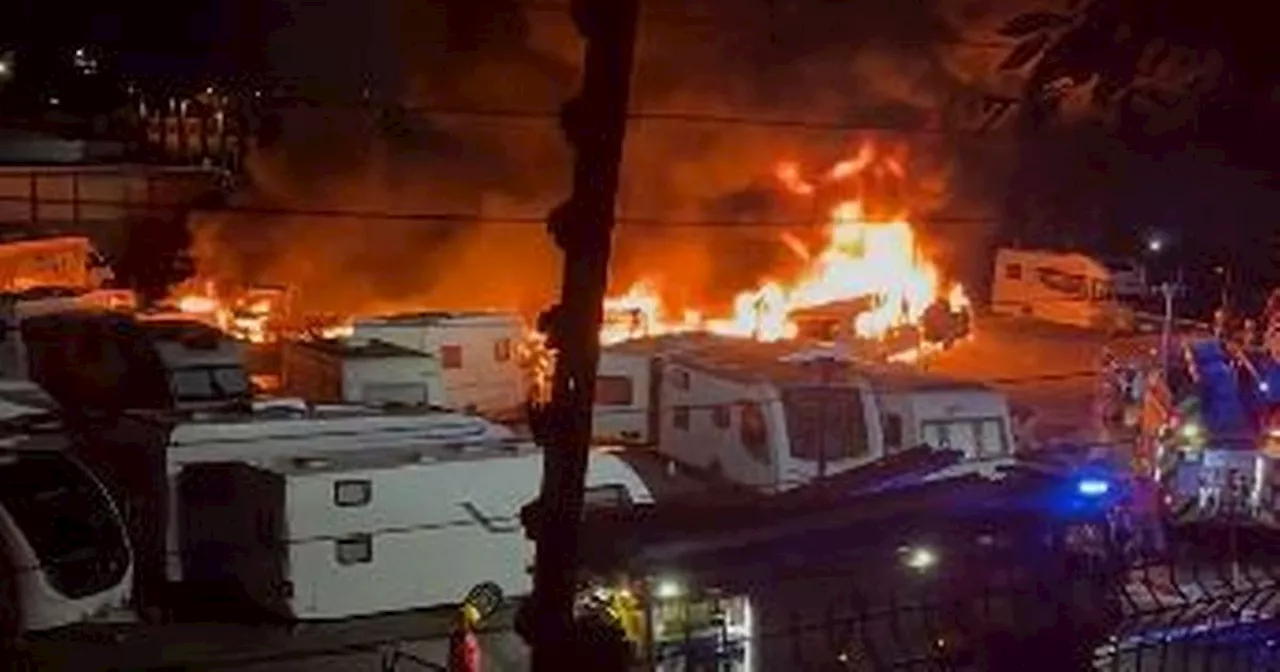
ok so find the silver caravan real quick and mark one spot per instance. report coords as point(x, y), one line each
point(1066, 288)
point(775, 416)
point(343, 535)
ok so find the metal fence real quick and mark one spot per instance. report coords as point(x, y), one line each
point(1213, 603)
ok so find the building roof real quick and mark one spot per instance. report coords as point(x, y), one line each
point(355, 348)
point(781, 363)
point(436, 318)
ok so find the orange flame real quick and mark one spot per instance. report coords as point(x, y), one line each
point(863, 257)
point(248, 317)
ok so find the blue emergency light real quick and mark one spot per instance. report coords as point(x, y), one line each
point(1093, 487)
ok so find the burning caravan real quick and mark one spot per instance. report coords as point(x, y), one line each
point(761, 414)
point(1066, 288)
point(343, 535)
point(269, 431)
point(477, 352)
point(32, 259)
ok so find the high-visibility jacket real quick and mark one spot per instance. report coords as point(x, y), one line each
point(464, 651)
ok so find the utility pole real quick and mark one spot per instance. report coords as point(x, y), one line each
point(1169, 291)
point(594, 123)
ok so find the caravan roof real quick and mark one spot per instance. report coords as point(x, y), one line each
point(783, 362)
point(303, 422)
point(437, 318)
point(386, 458)
point(357, 348)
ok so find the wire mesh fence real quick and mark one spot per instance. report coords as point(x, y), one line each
point(1211, 603)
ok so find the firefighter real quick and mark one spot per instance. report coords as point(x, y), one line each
point(625, 608)
point(1220, 322)
point(1249, 334)
point(464, 647)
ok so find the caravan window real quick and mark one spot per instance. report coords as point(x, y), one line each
point(720, 417)
point(1064, 283)
point(892, 432)
point(502, 350)
point(356, 549)
point(609, 496)
point(614, 391)
point(680, 417)
point(67, 520)
point(352, 493)
point(1013, 271)
point(451, 356)
point(754, 432)
point(208, 383)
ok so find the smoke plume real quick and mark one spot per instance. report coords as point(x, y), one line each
point(370, 145)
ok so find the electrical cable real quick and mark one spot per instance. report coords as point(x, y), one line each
point(443, 218)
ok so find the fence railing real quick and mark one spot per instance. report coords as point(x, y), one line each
point(1212, 604)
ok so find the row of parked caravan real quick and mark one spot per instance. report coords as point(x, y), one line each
point(309, 513)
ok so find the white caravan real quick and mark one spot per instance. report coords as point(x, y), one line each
point(64, 552)
point(279, 429)
point(1066, 288)
point(350, 535)
point(761, 415)
point(477, 354)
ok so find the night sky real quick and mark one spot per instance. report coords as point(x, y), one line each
point(1177, 139)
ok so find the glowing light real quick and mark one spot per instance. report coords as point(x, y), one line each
point(668, 589)
point(1191, 431)
point(919, 559)
point(1093, 487)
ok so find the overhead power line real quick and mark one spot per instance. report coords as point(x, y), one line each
point(741, 21)
point(440, 218)
point(980, 129)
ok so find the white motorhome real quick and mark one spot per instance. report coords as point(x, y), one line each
point(354, 371)
point(338, 536)
point(773, 416)
point(477, 354)
point(281, 429)
point(1067, 288)
point(64, 551)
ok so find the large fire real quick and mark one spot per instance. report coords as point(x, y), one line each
point(876, 260)
point(254, 315)
point(863, 258)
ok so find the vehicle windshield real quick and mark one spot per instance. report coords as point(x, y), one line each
point(209, 383)
point(65, 518)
